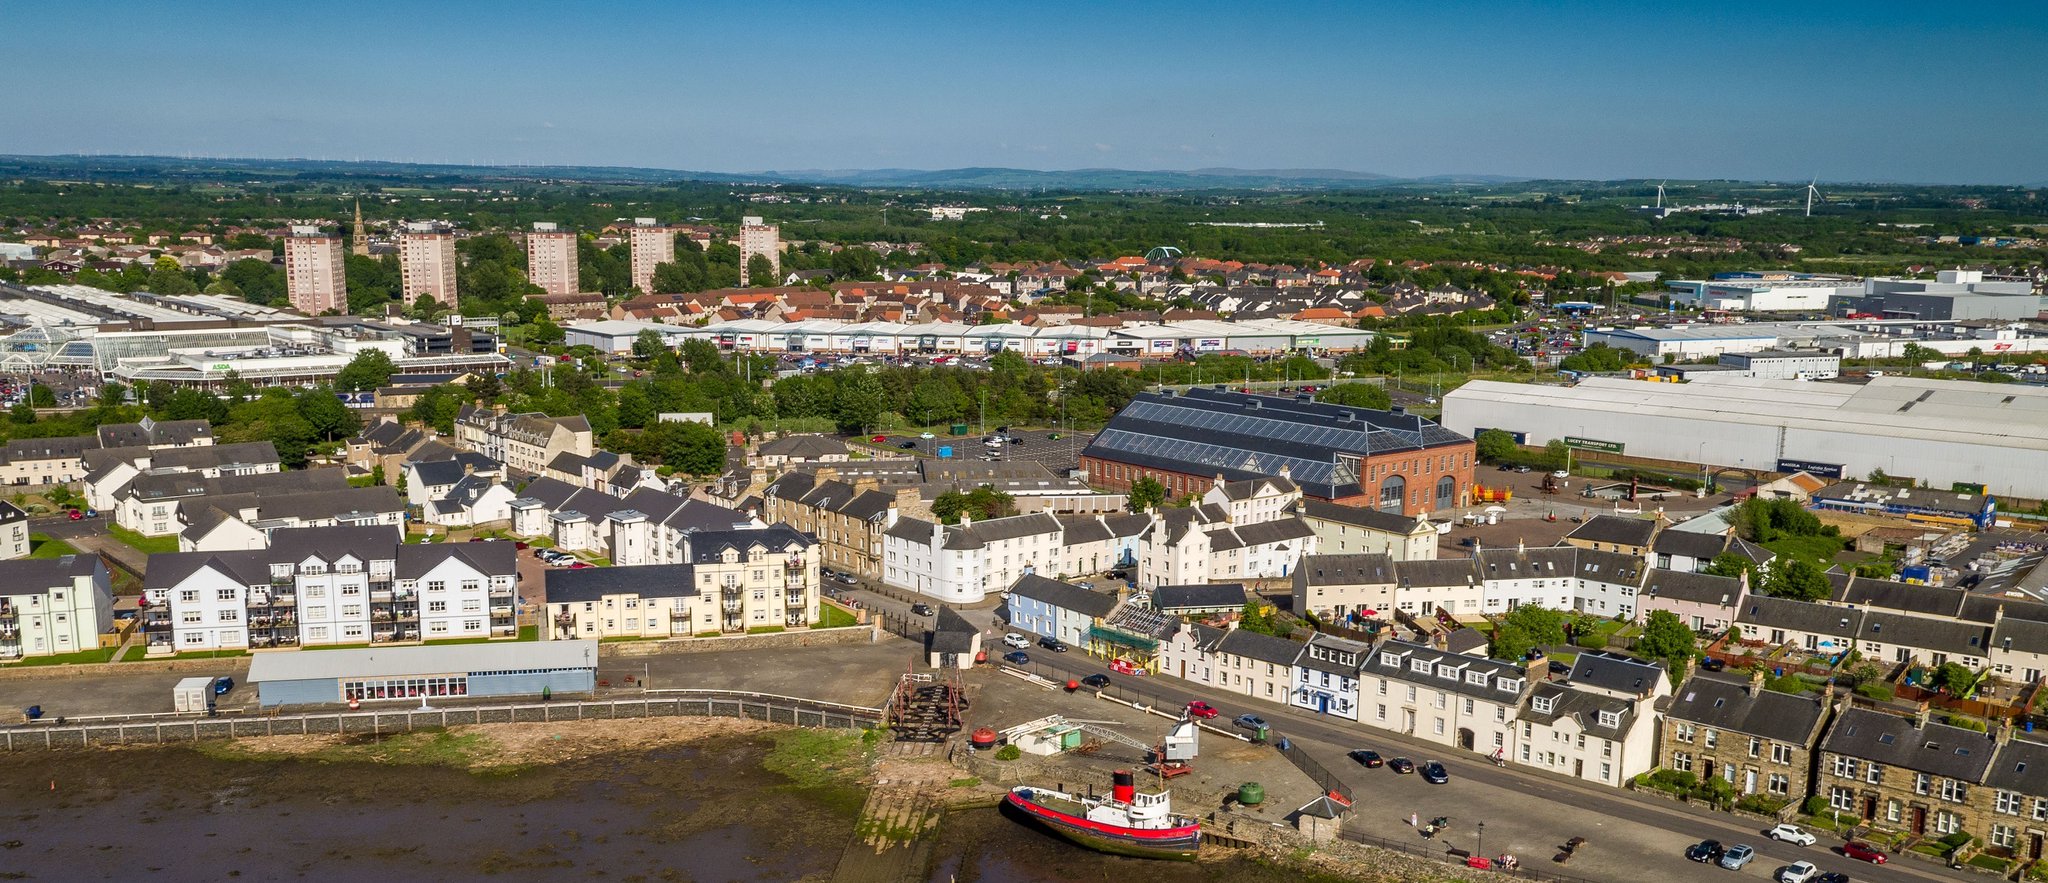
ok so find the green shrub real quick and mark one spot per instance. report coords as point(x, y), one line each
point(1955, 840)
point(1877, 690)
point(1009, 752)
point(1965, 722)
point(1761, 804)
point(1814, 805)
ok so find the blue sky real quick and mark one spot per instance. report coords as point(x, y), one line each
point(1936, 92)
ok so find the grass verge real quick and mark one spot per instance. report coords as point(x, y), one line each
point(41, 545)
point(823, 764)
point(140, 543)
point(82, 657)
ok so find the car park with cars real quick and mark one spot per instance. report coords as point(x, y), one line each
point(1367, 759)
point(1737, 856)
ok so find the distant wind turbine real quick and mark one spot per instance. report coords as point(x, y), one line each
point(1811, 193)
point(1660, 195)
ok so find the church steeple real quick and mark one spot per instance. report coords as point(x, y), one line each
point(361, 244)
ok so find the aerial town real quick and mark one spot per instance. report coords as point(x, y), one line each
point(558, 511)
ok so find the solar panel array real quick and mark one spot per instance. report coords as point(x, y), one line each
point(1249, 423)
point(1223, 457)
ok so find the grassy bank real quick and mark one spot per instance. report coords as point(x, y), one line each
point(825, 765)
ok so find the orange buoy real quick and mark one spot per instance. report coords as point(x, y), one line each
point(1073, 685)
point(982, 739)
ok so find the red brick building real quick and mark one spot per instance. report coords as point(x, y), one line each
point(1385, 460)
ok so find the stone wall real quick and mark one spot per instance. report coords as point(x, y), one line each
point(806, 638)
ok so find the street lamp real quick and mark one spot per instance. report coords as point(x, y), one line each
point(1482, 838)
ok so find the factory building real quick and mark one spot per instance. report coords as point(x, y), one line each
point(1942, 432)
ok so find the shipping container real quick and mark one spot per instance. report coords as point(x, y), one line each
point(192, 694)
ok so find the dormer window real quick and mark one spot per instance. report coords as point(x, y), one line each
point(1390, 661)
point(1610, 719)
point(1509, 685)
point(1420, 666)
point(1542, 704)
point(1476, 678)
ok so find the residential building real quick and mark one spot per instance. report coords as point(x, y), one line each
point(426, 263)
point(1457, 700)
point(1389, 460)
point(551, 260)
point(1353, 530)
point(729, 582)
point(1760, 741)
point(791, 450)
point(1913, 774)
point(759, 238)
point(1705, 603)
point(961, 564)
point(653, 244)
point(169, 504)
point(1326, 676)
point(848, 519)
point(644, 527)
point(1599, 724)
point(1202, 544)
point(525, 442)
point(330, 585)
point(1346, 589)
point(1614, 533)
point(14, 541)
point(1053, 609)
point(313, 272)
point(110, 474)
point(50, 606)
point(1242, 662)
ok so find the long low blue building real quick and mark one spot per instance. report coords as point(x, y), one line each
point(412, 674)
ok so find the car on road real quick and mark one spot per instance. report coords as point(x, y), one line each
point(1738, 855)
point(1250, 722)
point(921, 609)
point(1367, 759)
point(879, 438)
point(1401, 765)
point(1832, 877)
point(1864, 852)
point(1797, 872)
point(906, 445)
point(1018, 658)
point(1560, 474)
point(77, 515)
point(1016, 641)
point(1095, 681)
point(1521, 469)
point(1054, 644)
point(1789, 833)
point(846, 579)
point(1202, 710)
point(1705, 851)
point(1434, 773)
point(580, 565)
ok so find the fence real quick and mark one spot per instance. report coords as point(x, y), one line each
point(752, 706)
point(1529, 869)
point(1327, 780)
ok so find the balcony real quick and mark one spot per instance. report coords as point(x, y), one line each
point(732, 605)
point(796, 599)
point(8, 613)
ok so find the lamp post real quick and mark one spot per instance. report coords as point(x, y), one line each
point(1482, 838)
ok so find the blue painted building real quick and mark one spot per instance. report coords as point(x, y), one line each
point(1053, 609)
point(416, 674)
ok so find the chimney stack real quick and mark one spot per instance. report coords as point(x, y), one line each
point(1920, 715)
point(1756, 679)
point(2001, 730)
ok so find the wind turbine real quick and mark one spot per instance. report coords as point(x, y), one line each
point(1660, 196)
point(1811, 192)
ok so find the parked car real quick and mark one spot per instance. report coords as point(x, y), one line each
point(1705, 851)
point(1712, 663)
point(77, 515)
point(1367, 759)
point(1737, 856)
point(1054, 644)
point(846, 578)
point(1832, 877)
point(580, 565)
point(1401, 765)
point(1434, 773)
point(1250, 722)
point(906, 445)
point(1560, 474)
point(1095, 681)
point(1790, 833)
point(1016, 641)
point(1797, 872)
point(1863, 852)
point(221, 686)
point(1202, 710)
point(1018, 658)
point(921, 609)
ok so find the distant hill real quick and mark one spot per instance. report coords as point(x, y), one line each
point(973, 178)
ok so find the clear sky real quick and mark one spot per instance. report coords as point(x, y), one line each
point(1869, 91)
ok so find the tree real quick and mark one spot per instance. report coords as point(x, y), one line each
point(1732, 564)
point(369, 370)
point(1494, 446)
point(1146, 493)
point(761, 271)
point(1666, 638)
point(42, 396)
point(1526, 628)
point(1357, 395)
point(647, 344)
point(693, 447)
point(861, 400)
point(328, 417)
point(1793, 578)
point(983, 502)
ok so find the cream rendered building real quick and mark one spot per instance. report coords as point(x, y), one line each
point(426, 261)
point(758, 238)
point(551, 259)
point(654, 244)
point(313, 271)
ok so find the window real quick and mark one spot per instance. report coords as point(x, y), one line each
point(1709, 738)
point(1542, 704)
point(1891, 810)
point(1920, 782)
point(1608, 719)
point(2004, 835)
point(437, 607)
point(1874, 774)
point(1946, 822)
point(1842, 798)
point(1680, 760)
point(2008, 803)
point(2040, 812)
point(1756, 747)
point(1606, 771)
point(1954, 791)
point(226, 594)
point(1778, 783)
point(1682, 732)
point(1845, 767)
point(1782, 754)
point(1439, 726)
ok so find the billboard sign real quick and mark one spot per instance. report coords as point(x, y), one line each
point(1814, 468)
point(1593, 444)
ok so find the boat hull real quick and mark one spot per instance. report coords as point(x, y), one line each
point(1173, 844)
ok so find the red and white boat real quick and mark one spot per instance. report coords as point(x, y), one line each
point(1124, 823)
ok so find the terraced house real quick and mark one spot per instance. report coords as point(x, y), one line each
point(1759, 741)
point(1914, 774)
point(848, 519)
point(524, 442)
point(728, 582)
point(1457, 700)
point(1599, 724)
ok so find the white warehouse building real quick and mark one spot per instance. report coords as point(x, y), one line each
point(1938, 431)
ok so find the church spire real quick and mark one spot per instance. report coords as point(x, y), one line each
point(362, 239)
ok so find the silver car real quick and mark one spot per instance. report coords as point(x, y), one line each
point(1737, 856)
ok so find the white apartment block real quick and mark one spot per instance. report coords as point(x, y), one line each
point(426, 263)
point(731, 582)
point(14, 541)
point(1599, 724)
point(551, 259)
point(313, 271)
point(654, 244)
point(50, 606)
point(1452, 699)
point(758, 238)
point(1205, 544)
point(330, 586)
point(961, 564)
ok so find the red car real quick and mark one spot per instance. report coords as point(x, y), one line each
point(1123, 666)
point(880, 438)
point(1862, 851)
point(1202, 710)
point(77, 515)
point(581, 565)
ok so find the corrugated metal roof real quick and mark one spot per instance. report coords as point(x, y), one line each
point(380, 662)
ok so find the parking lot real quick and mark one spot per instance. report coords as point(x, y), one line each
point(1035, 445)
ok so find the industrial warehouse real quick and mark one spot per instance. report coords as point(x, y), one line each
point(424, 674)
point(1940, 432)
point(1389, 460)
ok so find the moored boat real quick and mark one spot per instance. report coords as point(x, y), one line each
point(1123, 823)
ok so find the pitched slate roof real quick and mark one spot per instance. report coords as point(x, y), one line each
point(2021, 765)
point(1359, 516)
point(951, 633)
point(1064, 596)
point(1583, 706)
point(1726, 703)
point(1448, 670)
point(645, 580)
point(1615, 529)
point(1698, 588)
point(1345, 570)
point(1262, 647)
point(1616, 672)
point(1174, 599)
point(1690, 544)
point(1938, 749)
